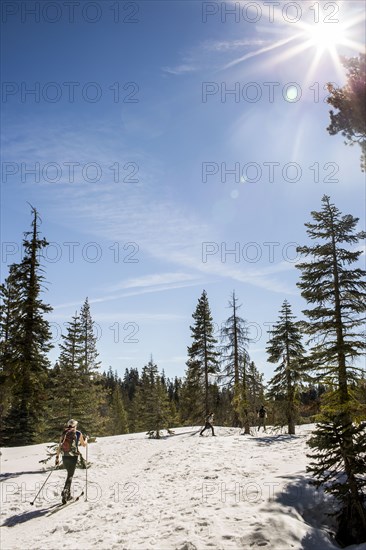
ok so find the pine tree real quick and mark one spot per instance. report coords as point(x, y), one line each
point(235, 360)
point(29, 343)
point(117, 414)
point(340, 468)
point(285, 348)
point(193, 396)
point(154, 413)
point(90, 362)
point(338, 293)
point(66, 379)
point(350, 101)
point(174, 395)
point(255, 391)
point(202, 362)
point(9, 316)
point(77, 390)
point(130, 386)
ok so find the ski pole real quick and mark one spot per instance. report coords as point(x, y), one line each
point(53, 469)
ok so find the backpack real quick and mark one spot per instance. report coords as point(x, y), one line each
point(262, 413)
point(69, 442)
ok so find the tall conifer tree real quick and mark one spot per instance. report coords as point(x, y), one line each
point(335, 323)
point(29, 340)
point(285, 348)
point(235, 360)
point(202, 362)
point(154, 411)
point(77, 388)
point(90, 354)
point(337, 293)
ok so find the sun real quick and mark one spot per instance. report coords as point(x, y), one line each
point(326, 36)
point(323, 38)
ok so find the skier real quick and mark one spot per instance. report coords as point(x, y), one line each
point(262, 413)
point(70, 440)
point(208, 423)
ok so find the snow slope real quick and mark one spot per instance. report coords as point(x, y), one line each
point(182, 492)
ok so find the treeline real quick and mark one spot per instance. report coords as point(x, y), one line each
point(129, 413)
point(37, 397)
point(220, 376)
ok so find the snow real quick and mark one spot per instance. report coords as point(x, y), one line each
point(183, 492)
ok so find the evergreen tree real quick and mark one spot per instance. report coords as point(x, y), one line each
point(9, 316)
point(340, 468)
point(285, 348)
point(131, 381)
point(202, 362)
point(117, 414)
point(78, 390)
point(90, 355)
point(255, 391)
point(338, 293)
point(235, 360)
point(130, 384)
point(193, 396)
point(28, 339)
point(350, 101)
point(154, 413)
point(173, 389)
point(110, 380)
point(66, 378)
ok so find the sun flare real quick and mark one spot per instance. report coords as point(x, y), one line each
point(326, 36)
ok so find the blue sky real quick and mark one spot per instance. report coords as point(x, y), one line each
point(147, 171)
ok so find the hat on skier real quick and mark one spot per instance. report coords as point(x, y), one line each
point(73, 423)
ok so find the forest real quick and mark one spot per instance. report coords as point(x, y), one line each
point(317, 380)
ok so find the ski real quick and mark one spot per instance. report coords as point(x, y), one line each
point(60, 506)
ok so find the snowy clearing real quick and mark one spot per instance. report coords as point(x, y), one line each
point(182, 492)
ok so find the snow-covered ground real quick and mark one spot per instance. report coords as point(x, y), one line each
point(183, 492)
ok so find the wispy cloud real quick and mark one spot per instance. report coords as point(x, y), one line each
point(138, 292)
point(222, 46)
point(208, 55)
point(163, 230)
point(154, 280)
point(183, 68)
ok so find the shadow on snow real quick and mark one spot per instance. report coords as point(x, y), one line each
point(10, 475)
point(26, 516)
point(314, 506)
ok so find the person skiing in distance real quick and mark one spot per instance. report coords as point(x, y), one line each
point(208, 423)
point(70, 440)
point(262, 413)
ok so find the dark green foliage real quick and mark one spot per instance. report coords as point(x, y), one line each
point(25, 343)
point(310, 397)
point(202, 362)
point(76, 389)
point(117, 423)
point(351, 104)
point(339, 466)
point(335, 326)
point(154, 413)
point(255, 391)
point(193, 395)
point(338, 293)
point(90, 363)
point(285, 348)
point(9, 313)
